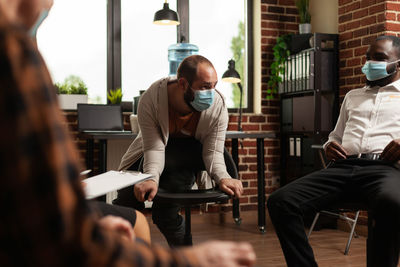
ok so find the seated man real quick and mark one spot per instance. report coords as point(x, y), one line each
point(188, 106)
point(363, 150)
point(45, 219)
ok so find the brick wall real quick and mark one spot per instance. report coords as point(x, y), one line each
point(360, 22)
point(278, 17)
point(72, 123)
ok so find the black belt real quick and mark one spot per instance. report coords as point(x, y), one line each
point(370, 156)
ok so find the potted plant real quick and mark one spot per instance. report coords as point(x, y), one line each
point(281, 52)
point(71, 92)
point(305, 17)
point(115, 96)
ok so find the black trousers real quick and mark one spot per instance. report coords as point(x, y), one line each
point(104, 209)
point(165, 215)
point(375, 183)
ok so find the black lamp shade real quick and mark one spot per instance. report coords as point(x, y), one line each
point(166, 16)
point(231, 75)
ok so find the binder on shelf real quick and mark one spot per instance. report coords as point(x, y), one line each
point(291, 147)
point(307, 116)
point(300, 68)
point(298, 147)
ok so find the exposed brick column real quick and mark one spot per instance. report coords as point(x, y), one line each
point(278, 17)
point(392, 18)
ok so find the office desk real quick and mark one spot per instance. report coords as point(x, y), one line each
point(234, 135)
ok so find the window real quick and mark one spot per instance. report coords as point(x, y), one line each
point(74, 43)
point(144, 46)
point(218, 29)
point(136, 55)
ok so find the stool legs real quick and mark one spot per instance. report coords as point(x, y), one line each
point(188, 228)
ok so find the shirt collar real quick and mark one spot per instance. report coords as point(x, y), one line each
point(395, 84)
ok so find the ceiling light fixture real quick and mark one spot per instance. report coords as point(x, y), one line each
point(166, 16)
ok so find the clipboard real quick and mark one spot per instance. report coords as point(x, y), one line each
point(110, 181)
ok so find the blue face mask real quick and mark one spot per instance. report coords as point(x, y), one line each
point(376, 70)
point(42, 16)
point(203, 99)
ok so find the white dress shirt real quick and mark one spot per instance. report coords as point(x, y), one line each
point(369, 119)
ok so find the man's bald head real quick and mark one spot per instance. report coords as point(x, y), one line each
point(188, 67)
point(395, 42)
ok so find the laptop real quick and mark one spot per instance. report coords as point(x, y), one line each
point(100, 118)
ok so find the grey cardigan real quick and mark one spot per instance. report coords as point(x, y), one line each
point(154, 124)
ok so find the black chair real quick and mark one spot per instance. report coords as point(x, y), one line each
point(186, 154)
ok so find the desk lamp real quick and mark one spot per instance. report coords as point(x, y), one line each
point(166, 16)
point(232, 76)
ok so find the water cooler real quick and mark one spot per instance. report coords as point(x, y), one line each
point(177, 52)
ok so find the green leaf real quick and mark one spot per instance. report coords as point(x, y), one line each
point(115, 96)
point(280, 52)
point(72, 85)
point(303, 10)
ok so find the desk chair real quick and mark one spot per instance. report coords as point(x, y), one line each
point(186, 154)
point(339, 210)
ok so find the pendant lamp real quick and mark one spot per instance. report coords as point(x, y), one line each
point(166, 16)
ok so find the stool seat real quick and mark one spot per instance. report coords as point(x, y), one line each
point(193, 197)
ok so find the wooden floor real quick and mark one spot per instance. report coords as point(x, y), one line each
point(328, 245)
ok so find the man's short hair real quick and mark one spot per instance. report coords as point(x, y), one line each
point(395, 42)
point(188, 67)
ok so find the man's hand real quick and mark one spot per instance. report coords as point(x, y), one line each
point(224, 254)
point(141, 189)
point(119, 225)
point(391, 152)
point(334, 151)
point(231, 186)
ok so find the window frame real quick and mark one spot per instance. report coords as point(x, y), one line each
point(113, 45)
point(114, 61)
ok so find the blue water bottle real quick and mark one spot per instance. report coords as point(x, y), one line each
point(177, 52)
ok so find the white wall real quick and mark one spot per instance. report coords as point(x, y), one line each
point(257, 56)
point(324, 16)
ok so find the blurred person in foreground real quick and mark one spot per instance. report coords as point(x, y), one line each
point(45, 219)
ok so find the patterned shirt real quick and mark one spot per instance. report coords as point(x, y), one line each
point(44, 217)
